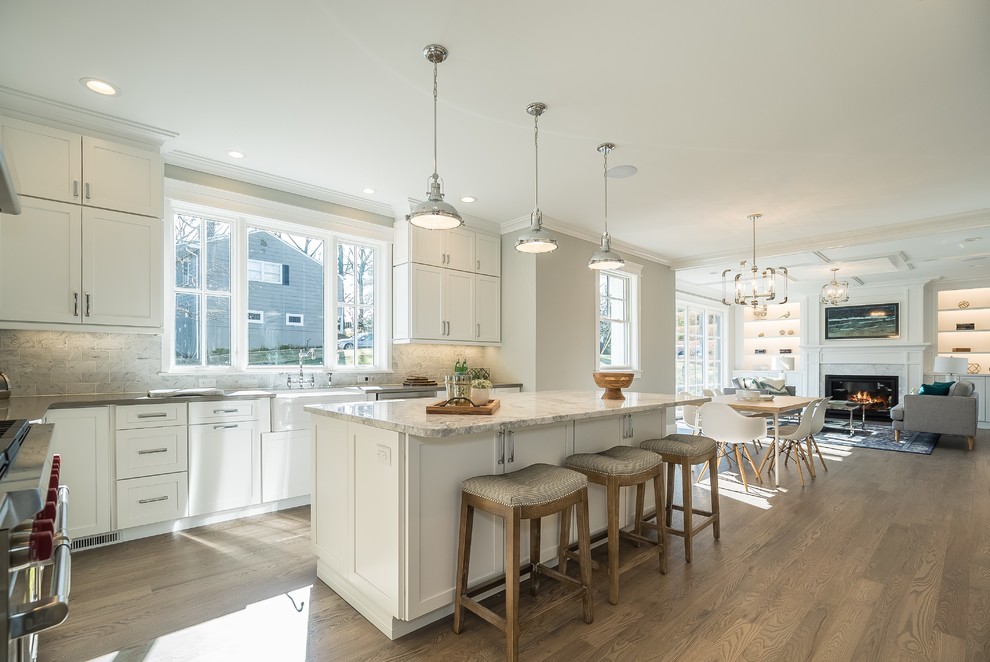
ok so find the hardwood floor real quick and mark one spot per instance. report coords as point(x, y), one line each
point(884, 557)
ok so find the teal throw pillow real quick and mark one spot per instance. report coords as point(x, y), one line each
point(938, 388)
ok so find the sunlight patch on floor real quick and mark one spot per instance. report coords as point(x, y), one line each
point(272, 629)
point(730, 486)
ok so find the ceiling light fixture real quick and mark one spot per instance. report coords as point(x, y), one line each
point(234, 154)
point(368, 190)
point(753, 287)
point(469, 199)
point(835, 292)
point(605, 257)
point(433, 213)
point(100, 86)
point(536, 239)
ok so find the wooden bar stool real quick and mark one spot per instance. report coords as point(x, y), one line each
point(686, 450)
point(530, 493)
point(622, 466)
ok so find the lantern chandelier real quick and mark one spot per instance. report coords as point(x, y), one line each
point(754, 287)
point(536, 239)
point(433, 213)
point(835, 292)
point(605, 257)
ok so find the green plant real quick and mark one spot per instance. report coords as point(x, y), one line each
point(480, 383)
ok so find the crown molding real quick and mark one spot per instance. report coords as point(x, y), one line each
point(221, 169)
point(31, 107)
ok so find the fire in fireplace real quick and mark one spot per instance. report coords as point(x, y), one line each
point(877, 393)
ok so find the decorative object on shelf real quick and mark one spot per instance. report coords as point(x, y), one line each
point(950, 366)
point(536, 239)
point(835, 291)
point(754, 287)
point(760, 334)
point(613, 383)
point(785, 351)
point(973, 368)
point(785, 315)
point(790, 332)
point(480, 373)
point(961, 349)
point(759, 351)
point(782, 332)
point(433, 213)
point(964, 304)
point(969, 326)
point(870, 321)
point(605, 257)
point(761, 312)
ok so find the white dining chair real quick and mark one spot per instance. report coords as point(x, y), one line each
point(817, 425)
point(729, 428)
point(791, 437)
point(689, 414)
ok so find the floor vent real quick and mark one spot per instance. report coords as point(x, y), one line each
point(96, 541)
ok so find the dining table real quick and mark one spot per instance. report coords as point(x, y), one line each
point(780, 404)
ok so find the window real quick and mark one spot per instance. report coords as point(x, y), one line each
point(618, 324)
point(699, 348)
point(251, 293)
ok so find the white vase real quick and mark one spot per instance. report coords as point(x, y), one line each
point(481, 396)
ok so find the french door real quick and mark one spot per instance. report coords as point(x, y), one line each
point(699, 347)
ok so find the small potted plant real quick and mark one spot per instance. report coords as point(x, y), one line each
point(481, 392)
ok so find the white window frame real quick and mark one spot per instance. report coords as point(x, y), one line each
point(259, 313)
point(632, 274)
point(242, 211)
point(301, 322)
point(270, 272)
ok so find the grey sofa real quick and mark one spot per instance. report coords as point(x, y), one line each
point(955, 413)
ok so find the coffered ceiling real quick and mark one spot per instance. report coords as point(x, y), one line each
point(857, 128)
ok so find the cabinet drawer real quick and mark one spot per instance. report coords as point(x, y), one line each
point(151, 416)
point(151, 499)
point(220, 411)
point(151, 451)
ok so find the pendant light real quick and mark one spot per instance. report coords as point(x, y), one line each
point(605, 257)
point(835, 292)
point(753, 287)
point(433, 213)
point(536, 239)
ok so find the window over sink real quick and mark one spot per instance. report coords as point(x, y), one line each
point(256, 293)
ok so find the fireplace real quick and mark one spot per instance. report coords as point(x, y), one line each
point(877, 393)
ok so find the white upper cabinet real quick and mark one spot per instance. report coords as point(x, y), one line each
point(60, 165)
point(461, 248)
point(488, 254)
point(432, 304)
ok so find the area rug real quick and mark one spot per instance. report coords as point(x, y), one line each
point(878, 436)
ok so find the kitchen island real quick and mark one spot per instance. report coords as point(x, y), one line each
point(386, 488)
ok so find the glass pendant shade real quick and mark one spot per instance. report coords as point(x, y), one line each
point(835, 292)
point(536, 239)
point(754, 286)
point(605, 257)
point(433, 213)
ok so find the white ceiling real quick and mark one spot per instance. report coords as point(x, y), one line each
point(858, 129)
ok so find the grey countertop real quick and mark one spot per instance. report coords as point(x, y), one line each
point(517, 410)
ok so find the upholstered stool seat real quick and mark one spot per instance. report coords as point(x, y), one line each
point(685, 450)
point(530, 493)
point(622, 466)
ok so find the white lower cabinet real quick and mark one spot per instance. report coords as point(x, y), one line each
point(151, 499)
point(285, 464)
point(224, 466)
point(82, 438)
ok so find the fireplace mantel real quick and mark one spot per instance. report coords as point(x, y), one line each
point(902, 360)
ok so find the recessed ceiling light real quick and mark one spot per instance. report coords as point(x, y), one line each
point(100, 86)
point(368, 190)
point(469, 198)
point(622, 171)
point(234, 154)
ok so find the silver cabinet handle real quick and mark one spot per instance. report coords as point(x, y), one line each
point(157, 414)
point(224, 427)
point(75, 304)
point(75, 188)
point(153, 499)
point(479, 265)
point(512, 446)
point(150, 451)
point(478, 334)
point(89, 301)
point(87, 191)
point(225, 411)
point(443, 327)
point(500, 436)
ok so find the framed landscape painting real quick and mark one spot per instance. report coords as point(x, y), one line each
point(873, 321)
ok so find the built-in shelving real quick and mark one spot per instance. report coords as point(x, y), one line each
point(779, 330)
point(965, 307)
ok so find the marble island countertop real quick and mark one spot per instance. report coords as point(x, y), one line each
point(517, 410)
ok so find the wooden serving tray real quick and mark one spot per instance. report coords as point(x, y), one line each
point(483, 410)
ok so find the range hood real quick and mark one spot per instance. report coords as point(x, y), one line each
point(9, 204)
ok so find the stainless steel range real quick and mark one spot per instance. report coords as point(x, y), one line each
point(34, 529)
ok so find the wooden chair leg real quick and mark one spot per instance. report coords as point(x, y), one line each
point(512, 525)
point(687, 499)
point(970, 441)
point(897, 436)
point(535, 525)
point(704, 469)
point(751, 463)
point(463, 563)
point(766, 458)
point(669, 506)
point(584, 550)
point(716, 523)
point(640, 508)
point(661, 528)
point(612, 503)
point(742, 470)
point(565, 539)
point(819, 451)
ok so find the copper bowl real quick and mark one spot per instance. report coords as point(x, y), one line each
point(613, 383)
